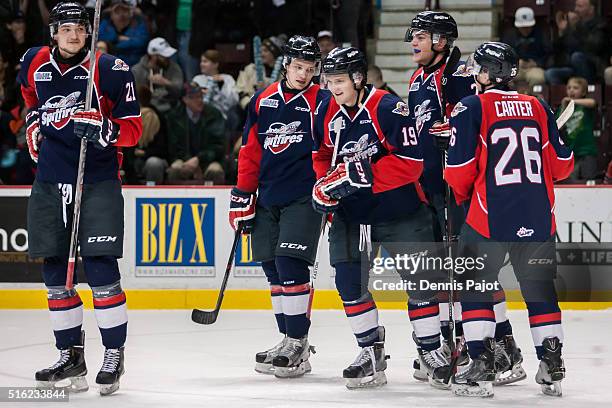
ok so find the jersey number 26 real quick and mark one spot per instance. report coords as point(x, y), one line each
point(505, 176)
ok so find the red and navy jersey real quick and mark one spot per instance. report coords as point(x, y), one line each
point(382, 132)
point(504, 154)
point(57, 92)
point(276, 145)
point(425, 103)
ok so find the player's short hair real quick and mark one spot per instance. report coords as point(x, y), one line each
point(580, 81)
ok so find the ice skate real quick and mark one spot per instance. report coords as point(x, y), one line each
point(508, 362)
point(476, 379)
point(551, 370)
point(435, 363)
point(368, 369)
point(68, 372)
point(111, 371)
point(292, 358)
point(263, 359)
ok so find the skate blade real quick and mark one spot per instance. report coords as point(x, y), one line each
point(377, 380)
point(508, 377)
point(72, 384)
point(439, 384)
point(553, 390)
point(420, 375)
point(108, 389)
point(294, 371)
point(264, 368)
point(482, 389)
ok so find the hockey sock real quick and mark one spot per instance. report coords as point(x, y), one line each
point(503, 326)
point(444, 326)
point(65, 307)
point(544, 312)
point(359, 307)
point(478, 322)
point(276, 292)
point(425, 319)
point(296, 295)
point(108, 299)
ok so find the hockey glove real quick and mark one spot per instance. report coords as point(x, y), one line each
point(347, 178)
point(442, 134)
point(242, 210)
point(321, 202)
point(33, 136)
point(94, 127)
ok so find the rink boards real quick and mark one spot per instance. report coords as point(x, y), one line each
point(177, 241)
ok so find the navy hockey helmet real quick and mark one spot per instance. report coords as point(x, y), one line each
point(68, 12)
point(349, 61)
point(437, 23)
point(498, 59)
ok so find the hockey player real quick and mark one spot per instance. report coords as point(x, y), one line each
point(53, 82)
point(435, 87)
point(272, 200)
point(505, 151)
point(366, 141)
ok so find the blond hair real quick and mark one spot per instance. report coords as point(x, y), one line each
point(581, 82)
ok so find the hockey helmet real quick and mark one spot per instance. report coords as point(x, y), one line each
point(68, 12)
point(304, 48)
point(437, 23)
point(349, 61)
point(498, 59)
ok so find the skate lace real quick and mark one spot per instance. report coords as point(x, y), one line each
point(276, 348)
point(111, 360)
point(502, 360)
point(291, 346)
point(64, 358)
point(367, 353)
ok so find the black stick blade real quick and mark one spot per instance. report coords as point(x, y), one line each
point(204, 317)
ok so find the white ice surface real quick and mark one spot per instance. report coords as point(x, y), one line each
point(172, 362)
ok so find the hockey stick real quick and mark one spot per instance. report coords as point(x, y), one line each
point(566, 114)
point(82, 154)
point(209, 317)
point(337, 127)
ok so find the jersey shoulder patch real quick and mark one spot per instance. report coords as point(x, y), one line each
point(459, 107)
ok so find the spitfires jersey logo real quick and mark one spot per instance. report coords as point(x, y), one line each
point(401, 109)
point(422, 114)
point(459, 107)
point(362, 149)
point(58, 109)
point(120, 65)
point(280, 136)
point(524, 232)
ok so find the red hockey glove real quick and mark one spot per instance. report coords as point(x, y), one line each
point(321, 201)
point(33, 136)
point(441, 133)
point(94, 127)
point(242, 210)
point(347, 178)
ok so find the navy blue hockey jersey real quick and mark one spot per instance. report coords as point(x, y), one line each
point(57, 92)
point(425, 103)
point(382, 132)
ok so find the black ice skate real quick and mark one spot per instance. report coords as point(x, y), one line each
point(292, 358)
point(368, 369)
point(111, 371)
point(508, 362)
point(263, 359)
point(551, 370)
point(70, 367)
point(435, 363)
point(476, 379)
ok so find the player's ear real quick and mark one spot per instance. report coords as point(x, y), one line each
point(441, 44)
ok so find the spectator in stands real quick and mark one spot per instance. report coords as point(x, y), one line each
point(163, 76)
point(196, 141)
point(125, 30)
point(219, 89)
point(531, 45)
point(608, 74)
point(375, 77)
point(326, 42)
point(148, 160)
point(18, 44)
point(103, 47)
point(248, 83)
point(580, 48)
point(579, 130)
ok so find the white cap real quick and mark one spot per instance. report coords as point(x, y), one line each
point(325, 33)
point(524, 17)
point(159, 46)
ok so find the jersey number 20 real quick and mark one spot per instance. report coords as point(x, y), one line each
point(513, 176)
